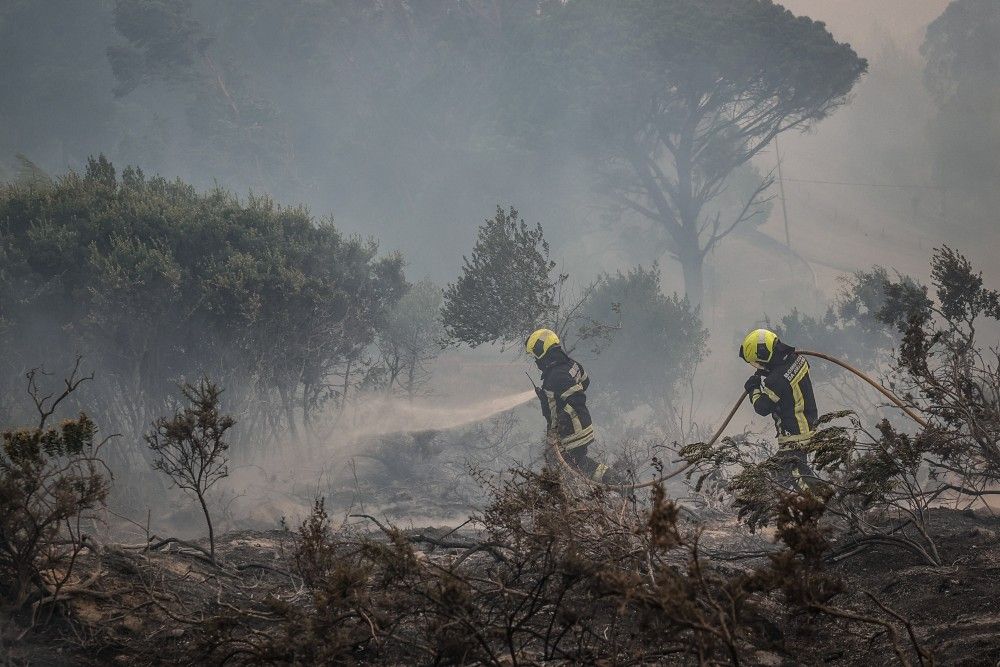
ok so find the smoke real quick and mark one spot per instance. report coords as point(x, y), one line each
point(388, 415)
point(342, 114)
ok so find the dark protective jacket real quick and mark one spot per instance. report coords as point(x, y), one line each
point(785, 392)
point(564, 399)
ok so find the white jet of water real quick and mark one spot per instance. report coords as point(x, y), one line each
point(382, 416)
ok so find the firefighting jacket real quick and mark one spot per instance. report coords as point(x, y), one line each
point(564, 400)
point(784, 391)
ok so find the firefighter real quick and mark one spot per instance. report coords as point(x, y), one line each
point(564, 402)
point(781, 388)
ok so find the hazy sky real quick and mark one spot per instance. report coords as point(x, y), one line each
point(852, 227)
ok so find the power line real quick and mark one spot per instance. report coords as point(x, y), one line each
point(941, 189)
point(857, 184)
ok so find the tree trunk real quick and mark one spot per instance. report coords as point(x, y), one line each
point(208, 520)
point(411, 372)
point(694, 286)
point(289, 409)
point(688, 213)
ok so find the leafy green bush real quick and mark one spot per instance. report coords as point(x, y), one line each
point(155, 282)
point(657, 344)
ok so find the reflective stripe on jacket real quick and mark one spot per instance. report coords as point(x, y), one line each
point(785, 392)
point(564, 386)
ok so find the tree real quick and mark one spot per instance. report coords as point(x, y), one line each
point(411, 337)
point(669, 97)
point(658, 343)
point(505, 290)
point(190, 446)
point(962, 68)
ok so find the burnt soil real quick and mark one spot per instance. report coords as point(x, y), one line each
point(146, 606)
point(954, 608)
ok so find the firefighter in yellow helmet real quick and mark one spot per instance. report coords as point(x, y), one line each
point(781, 388)
point(563, 396)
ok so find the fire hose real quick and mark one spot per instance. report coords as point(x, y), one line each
point(882, 390)
point(732, 413)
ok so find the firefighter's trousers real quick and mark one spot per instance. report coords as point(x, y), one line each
point(796, 473)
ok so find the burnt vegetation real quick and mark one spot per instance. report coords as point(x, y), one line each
point(551, 569)
point(164, 341)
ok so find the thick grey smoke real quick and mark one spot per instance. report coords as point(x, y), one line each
point(360, 111)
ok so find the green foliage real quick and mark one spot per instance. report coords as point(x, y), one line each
point(506, 289)
point(155, 282)
point(658, 343)
point(948, 374)
point(960, 291)
point(947, 322)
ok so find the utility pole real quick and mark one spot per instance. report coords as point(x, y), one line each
point(944, 198)
point(781, 190)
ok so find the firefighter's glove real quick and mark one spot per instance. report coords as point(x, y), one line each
point(754, 387)
point(754, 384)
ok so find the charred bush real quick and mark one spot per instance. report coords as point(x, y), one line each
point(553, 573)
point(51, 480)
point(190, 446)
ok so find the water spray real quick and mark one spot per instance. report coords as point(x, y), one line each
point(732, 413)
point(379, 417)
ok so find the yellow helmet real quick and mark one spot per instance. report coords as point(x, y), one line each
point(758, 346)
point(538, 343)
